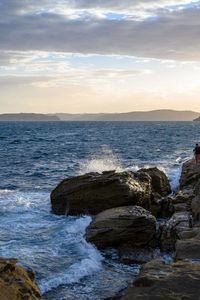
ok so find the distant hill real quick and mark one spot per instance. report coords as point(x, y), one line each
point(154, 115)
point(197, 119)
point(28, 117)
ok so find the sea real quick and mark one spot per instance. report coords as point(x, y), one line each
point(36, 156)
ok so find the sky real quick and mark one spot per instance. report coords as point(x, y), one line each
point(91, 56)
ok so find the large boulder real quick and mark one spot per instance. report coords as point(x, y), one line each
point(93, 192)
point(160, 182)
point(190, 175)
point(115, 226)
point(157, 280)
point(16, 283)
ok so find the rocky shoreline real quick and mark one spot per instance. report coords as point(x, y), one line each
point(137, 214)
point(126, 210)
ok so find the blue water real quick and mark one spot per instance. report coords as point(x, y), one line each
point(36, 156)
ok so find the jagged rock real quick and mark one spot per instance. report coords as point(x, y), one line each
point(160, 182)
point(170, 230)
point(190, 175)
point(182, 201)
point(115, 226)
point(137, 255)
point(157, 280)
point(93, 192)
point(16, 283)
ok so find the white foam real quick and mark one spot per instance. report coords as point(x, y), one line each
point(77, 271)
point(105, 161)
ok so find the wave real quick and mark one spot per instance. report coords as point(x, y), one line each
point(106, 160)
point(75, 272)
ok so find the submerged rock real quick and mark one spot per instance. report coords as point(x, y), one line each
point(93, 192)
point(16, 283)
point(115, 226)
point(157, 280)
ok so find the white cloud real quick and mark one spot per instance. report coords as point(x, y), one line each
point(172, 35)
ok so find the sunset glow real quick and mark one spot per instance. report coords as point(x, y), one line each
point(95, 56)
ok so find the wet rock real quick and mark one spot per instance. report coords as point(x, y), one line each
point(190, 175)
point(157, 280)
point(170, 230)
point(16, 283)
point(119, 225)
point(137, 255)
point(93, 192)
point(160, 182)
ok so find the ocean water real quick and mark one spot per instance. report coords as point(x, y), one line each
point(36, 156)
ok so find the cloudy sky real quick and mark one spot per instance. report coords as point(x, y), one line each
point(79, 56)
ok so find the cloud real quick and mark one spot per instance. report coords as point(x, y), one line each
point(172, 35)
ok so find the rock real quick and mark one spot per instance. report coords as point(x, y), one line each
point(93, 192)
point(157, 280)
point(182, 200)
point(137, 255)
point(16, 283)
point(160, 182)
point(196, 207)
point(190, 175)
point(188, 247)
point(170, 230)
point(119, 225)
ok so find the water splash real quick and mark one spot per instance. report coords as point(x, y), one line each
point(106, 160)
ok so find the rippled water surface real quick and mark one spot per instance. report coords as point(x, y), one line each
point(35, 156)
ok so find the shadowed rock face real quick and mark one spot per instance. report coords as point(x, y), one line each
point(158, 281)
point(170, 230)
point(16, 283)
point(93, 192)
point(188, 245)
point(160, 182)
point(190, 175)
point(114, 226)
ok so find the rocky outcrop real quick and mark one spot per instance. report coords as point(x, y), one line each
point(188, 245)
point(16, 283)
point(182, 201)
point(115, 226)
point(94, 192)
point(157, 280)
point(170, 229)
point(160, 182)
point(190, 175)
